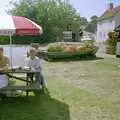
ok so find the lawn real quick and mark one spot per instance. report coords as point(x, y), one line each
point(79, 90)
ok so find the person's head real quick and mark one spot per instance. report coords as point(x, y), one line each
point(32, 52)
point(1, 51)
point(35, 45)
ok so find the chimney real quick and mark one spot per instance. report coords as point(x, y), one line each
point(110, 6)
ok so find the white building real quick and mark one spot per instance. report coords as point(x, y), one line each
point(108, 22)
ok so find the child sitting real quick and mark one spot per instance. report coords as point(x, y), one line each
point(35, 64)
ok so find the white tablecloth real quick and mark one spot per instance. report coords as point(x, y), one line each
point(3, 81)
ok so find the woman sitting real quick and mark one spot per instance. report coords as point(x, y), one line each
point(4, 65)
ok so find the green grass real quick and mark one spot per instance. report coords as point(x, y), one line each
point(81, 90)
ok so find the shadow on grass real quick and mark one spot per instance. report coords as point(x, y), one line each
point(75, 59)
point(40, 107)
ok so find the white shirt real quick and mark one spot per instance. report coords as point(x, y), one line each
point(3, 81)
point(35, 63)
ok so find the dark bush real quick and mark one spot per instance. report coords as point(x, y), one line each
point(111, 42)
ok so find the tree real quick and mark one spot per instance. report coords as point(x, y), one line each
point(94, 18)
point(83, 21)
point(92, 25)
point(53, 15)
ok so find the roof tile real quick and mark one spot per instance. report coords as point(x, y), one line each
point(110, 12)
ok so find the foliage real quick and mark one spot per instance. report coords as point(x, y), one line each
point(4, 40)
point(55, 48)
point(83, 21)
point(111, 42)
point(92, 25)
point(53, 16)
point(21, 39)
point(68, 51)
point(63, 47)
point(66, 56)
point(90, 47)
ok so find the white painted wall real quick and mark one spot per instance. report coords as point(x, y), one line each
point(117, 20)
point(103, 28)
point(106, 26)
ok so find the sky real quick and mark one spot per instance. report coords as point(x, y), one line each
point(86, 8)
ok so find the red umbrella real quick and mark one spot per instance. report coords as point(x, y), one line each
point(17, 25)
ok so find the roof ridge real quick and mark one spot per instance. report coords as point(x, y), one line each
point(110, 12)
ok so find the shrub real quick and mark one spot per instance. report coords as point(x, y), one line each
point(111, 42)
point(67, 49)
point(90, 48)
point(71, 49)
point(55, 48)
point(60, 50)
point(63, 47)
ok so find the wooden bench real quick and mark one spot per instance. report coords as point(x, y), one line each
point(33, 87)
point(23, 88)
point(30, 83)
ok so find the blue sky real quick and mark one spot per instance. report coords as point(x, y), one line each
point(86, 8)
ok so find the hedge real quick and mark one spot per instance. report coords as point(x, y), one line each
point(66, 55)
point(62, 50)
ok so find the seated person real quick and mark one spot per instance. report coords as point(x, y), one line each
point(39, 53)
point(4, 64)
point(34, 63)
point(36, 46)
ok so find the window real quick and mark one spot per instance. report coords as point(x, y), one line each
point(102, 35)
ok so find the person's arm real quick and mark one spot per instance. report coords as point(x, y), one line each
point(39, 64)
point(7, 64)
point(27, 63)
point(28, 54)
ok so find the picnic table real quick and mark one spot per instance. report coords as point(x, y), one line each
point(27, 76)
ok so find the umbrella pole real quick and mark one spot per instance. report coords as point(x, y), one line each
point(10, 51)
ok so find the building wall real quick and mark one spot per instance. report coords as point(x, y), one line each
point(117, 20)
point(103, 28)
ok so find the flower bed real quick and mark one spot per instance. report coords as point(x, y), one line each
point(65, 51)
